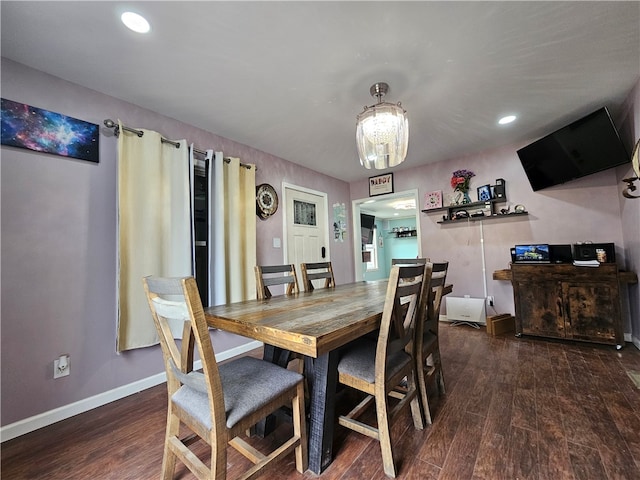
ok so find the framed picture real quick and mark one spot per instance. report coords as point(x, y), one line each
point(381, 184)
point(484, 193)
point(40, 130)
point(433, 200)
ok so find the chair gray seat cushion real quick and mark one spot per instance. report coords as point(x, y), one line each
point(247, 383)
point(359, 361)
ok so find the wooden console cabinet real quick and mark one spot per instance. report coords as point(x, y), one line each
point(568, 302)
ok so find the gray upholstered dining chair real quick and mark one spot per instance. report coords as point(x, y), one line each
point(429, 364)
point(221, 403)
point(379, 369)
point(317, 271)
point(270, 275)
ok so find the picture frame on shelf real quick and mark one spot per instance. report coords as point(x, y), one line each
point(450, 199)
point(498, 190)
point(433, 200)
point(484, 193)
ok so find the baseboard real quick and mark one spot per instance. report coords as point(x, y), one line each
point(44, 419)
point(627, 336)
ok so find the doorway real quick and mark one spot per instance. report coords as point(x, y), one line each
point(387, 209)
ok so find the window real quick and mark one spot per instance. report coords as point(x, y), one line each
point(304, 213)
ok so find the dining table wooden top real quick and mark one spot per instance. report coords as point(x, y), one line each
point(310, 323)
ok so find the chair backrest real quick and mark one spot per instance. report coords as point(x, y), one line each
point(406, 295)
point(178, 300)
point(315, 271)
point(438, 279)
point(434, 300)
point(409, 261)
point(269, 275)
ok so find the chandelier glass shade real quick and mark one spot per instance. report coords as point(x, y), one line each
point(382, 132)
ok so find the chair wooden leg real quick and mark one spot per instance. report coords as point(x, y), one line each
point(300, 429)
point(218, 459)
point(416, 411)
point(424, 397)
point(441, 382)
point(169, 456)
point(422, 391)
point(384, 433)
point(438, 364)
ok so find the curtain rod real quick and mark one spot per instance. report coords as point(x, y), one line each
point(116, 130)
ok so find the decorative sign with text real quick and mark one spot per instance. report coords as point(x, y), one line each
point(381, 184)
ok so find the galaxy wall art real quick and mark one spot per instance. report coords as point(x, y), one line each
point(36, 129)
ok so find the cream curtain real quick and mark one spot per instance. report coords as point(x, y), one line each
point(154, 226)
point(234, 231)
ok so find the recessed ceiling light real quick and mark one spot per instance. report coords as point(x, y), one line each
point(404, 204)
point(135, 22)
point(507, 119)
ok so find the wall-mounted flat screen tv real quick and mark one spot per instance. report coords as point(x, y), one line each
point(586, 146)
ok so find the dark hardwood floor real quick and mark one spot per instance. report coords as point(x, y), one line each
point(514, 409)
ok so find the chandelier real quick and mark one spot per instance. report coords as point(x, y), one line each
point(382, 132)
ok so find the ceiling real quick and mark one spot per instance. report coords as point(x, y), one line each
point(395, 208)
point(289, 78)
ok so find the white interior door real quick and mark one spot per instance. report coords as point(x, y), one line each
point(306, 225)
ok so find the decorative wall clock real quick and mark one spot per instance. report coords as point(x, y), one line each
point(266, 201)
point(433, 200)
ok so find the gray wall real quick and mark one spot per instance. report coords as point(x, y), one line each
point(591, 208)
point(59, 249)
point(59, 239)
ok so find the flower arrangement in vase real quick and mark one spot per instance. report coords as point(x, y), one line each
point(460, 181)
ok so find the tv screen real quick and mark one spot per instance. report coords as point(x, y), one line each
point(586, 146)
point(532, 253)
point(367, 223)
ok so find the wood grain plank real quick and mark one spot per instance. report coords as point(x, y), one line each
point(463, 452)
point(522, 454)
point(123, 440)
point(553, 455)
point(524, 409)
point(492, 462)
point(614, 450)
point(585, 462)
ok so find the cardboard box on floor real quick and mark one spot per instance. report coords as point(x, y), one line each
point(499, 324)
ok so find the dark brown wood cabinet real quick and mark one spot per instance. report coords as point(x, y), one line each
point(568, 302)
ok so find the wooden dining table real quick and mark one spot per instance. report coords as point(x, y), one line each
point(315, 324)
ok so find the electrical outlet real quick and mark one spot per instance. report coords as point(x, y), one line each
point(490, 301)
point(61, 366)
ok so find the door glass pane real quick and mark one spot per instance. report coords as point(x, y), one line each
point(304, 213)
